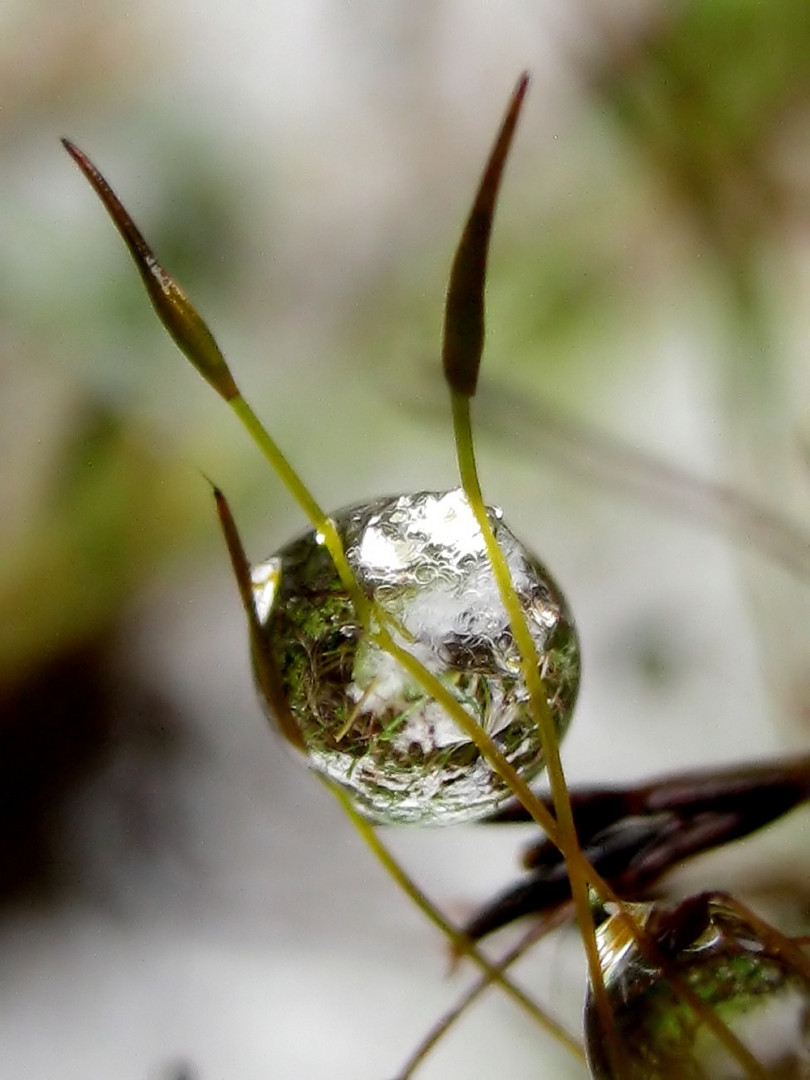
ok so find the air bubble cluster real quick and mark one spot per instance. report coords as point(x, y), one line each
point(366, 722)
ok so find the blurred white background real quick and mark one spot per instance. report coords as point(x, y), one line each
point(180, 898)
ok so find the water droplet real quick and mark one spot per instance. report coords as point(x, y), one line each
point(748, 982)
point(369, 725)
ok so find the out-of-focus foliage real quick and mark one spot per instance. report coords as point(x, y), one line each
point(93, 498)
point(97, 528)
point(716, 97)
point(654, 211)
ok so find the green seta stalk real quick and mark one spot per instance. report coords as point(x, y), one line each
point(463, 345)
point(193, 337)
point(462, 349)
point(374, 632)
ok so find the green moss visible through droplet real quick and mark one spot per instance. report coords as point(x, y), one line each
point(363, 719)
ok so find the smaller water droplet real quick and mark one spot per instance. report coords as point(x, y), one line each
point(748, 982)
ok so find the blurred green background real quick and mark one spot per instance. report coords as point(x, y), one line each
point(304, 169)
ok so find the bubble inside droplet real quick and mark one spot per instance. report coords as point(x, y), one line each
point(369, 725)
point(746, 979)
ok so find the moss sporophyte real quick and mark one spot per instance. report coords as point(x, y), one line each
point(425, 665)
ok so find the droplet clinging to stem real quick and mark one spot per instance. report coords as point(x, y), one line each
point(367, 723)
point(743, 975)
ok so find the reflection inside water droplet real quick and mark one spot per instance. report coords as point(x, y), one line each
point(365, 721)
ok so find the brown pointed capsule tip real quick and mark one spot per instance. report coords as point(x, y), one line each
point(239, 561)
point(174, 309)
point(267, 676)
point(464, 307)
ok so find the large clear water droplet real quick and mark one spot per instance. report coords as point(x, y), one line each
point(747, 980)
point(365, 722)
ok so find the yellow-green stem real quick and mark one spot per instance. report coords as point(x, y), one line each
point(581, 874)
point(461, 942)
point(318, 518)
point(195, 340)
point(568, 840)
point(366, 610)
point(482, 983)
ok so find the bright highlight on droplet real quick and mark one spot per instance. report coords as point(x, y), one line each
point(369, 725)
